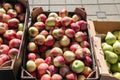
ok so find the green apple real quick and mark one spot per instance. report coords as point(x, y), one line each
point(31, 66)
point(20, 26)
point(33, 31)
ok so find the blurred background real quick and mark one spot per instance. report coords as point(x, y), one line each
point(96, 9)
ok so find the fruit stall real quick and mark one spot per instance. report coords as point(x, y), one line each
point(56, 45)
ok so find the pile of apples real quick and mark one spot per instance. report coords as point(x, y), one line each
point(11, 30)
point(58, 47)
point(111, 49)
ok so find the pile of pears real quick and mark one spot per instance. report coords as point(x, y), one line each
point(111, 49)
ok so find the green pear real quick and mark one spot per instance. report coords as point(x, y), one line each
point(107, 47)
point(116, 34)
point(108, 65)
point(115, 67)
point(110, 38)
point(117, 75)
point(116, 47)
point(111, 57)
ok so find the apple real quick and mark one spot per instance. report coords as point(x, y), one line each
point(80, 36)
point(86, 51)
point(13, 23)
point(42, 68)
point(1, 61)
point(48, 60)
point(7, 6)
point(77, 66)
point(70, 33)
point(53, 14)
point(79, 54)
point(3, 27)
point(12, 13)
point(38, 61)
point(59, 61)
point(44, 32)
point(81, 77)
point(14, 43)
point(82, 24)
point(58, 21)
point(64, 41)
point(21, 17)
point(74, 47)
point(13, 52)
point(39, 39)
point(56, 77)
point(84, 44)
point(69, 56)
point(51, 22)
point(1, 40)
point(71, 76)
point(1, 17)
point(42, 48)
point(20, 27)
point(57, 44)
point(87, 70)
point(32, 56)
point(57, 33)
point(32, 47)
point(88, 61)
point(66, 21)
point(33, 31)
point(52, 69)
point(4, 49)
point(19, 34)
point(56, 51)
point(75, 18)
point(64, 70)
point(63, 13)
point(39, 25)
point(47, 53)
point(45, 77)
point(31, 66)
point(19, 8)
point(2, 11)
point(41, 18)
point(6, 18)
point(4, 58)
point(75, 27)
point(49, 41)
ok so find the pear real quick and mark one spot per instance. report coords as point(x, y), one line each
point(115, 67)
point(116, 47)
point(111, 57)
point(117, 75)
point(107, 47)
point(108, 65)
point(110, 38)
point(116, 34)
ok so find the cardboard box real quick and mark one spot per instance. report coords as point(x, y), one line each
point(25, 75)
point(11, 69)
point(102, 27)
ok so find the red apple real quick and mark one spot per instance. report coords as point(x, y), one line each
point(2, 11)
point(75, 27)
point(86, 51)
point(1, 17)
point(70, 33)
point(48, 60)
point(4, 49)
point(42, 48)
point(32, 56)
point(64, 70)
point(88, 61)
point(13, 53)
point(42, 68)
point(31, 66)
point(80, 36)
point(74, 47)
point(3, 27)
point(82, 24)
point(44, 32)
point(1, 61)
point(14, 43)
point(69, 56)
point(57, 33)
point(1, 40)
point(4, 58)
point(56, 77)
point(66, 21)
point(33, 31)
point(19, 34)
point(51, 22)
point(41, 18)
point(84, 44)
point(53, 14)
point(12, 13)
point(65, 41)
point(59, 61)
point(32, 47)
point(87, 70)
point(71, 76)
point(49, 41)
point(46, 77)
point(13, 23)
point(39, 39)
point(38, 61)
point(63, 13)
point(6, 18)
point(21, 17)
point(52, 69)
point(7, 6)
point(79, 54)
point(19, 8)
point(75, 18)
point(56, 51)
point(59, 22)
point(39, 25)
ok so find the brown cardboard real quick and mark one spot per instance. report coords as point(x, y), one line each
point(11, 69)
point(102, 27)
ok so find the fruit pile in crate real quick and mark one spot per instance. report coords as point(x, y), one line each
point(59, 47)
point(12, 17)
point(111, 49)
